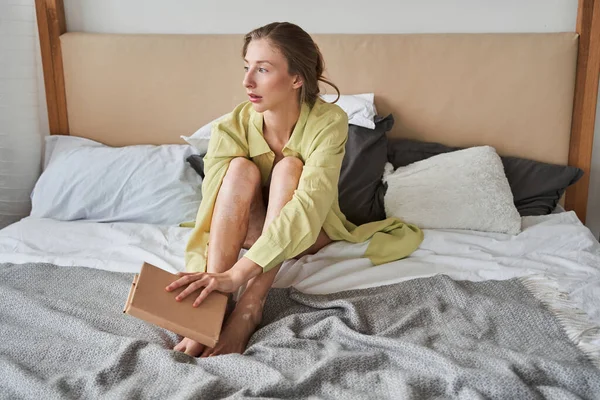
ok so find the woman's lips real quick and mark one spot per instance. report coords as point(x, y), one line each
point(254, 98)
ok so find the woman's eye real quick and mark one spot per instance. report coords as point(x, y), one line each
point(246, 69)
point(262, 70)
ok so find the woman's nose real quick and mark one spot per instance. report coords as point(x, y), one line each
point(248, 82)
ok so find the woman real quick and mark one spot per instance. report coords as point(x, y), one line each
point(271, 179)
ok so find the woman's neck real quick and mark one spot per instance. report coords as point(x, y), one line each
point(279, 123)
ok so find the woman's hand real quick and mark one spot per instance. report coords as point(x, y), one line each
point(226, 282)
point(222, 282)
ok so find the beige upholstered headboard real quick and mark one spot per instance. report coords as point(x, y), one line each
point(529, 95)
point(510, 91)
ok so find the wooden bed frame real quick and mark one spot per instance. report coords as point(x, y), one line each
point(51, 25)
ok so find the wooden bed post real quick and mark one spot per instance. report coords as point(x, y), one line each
point(584, 105)
point(52, 24)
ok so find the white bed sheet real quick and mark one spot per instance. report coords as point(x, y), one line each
point(118, 246)
point(556, 246)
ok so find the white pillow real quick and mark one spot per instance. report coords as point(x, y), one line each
point(85, 180)
point(360, 109)
point(63, 143)
point(465, 189)
point(199, 140)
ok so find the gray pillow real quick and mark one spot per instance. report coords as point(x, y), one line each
point(360, 187)
point(537, 187)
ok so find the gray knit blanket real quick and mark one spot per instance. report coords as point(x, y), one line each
point(63, 335)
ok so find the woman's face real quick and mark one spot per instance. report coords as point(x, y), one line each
point(267, 81)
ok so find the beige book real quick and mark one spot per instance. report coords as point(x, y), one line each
point(149, 301)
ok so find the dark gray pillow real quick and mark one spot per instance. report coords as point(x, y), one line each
point(360, 187)
point(196, 161)
point(537, 187)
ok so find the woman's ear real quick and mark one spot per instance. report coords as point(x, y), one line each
point(297, 83)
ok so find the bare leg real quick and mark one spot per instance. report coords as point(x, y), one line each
point(239, 202)
point(248, 312)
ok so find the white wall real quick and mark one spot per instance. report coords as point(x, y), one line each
point(321, 16)
point(20, 131)
point(329, 16)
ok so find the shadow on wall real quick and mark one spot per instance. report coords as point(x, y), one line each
point(20, 133)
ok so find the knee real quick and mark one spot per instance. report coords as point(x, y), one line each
point(242, 173)
point(289, 166)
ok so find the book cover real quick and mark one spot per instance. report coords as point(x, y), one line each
point(148, 300)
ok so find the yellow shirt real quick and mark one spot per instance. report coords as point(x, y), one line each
point(319, 140)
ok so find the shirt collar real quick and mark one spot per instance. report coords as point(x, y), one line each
point(257, 144)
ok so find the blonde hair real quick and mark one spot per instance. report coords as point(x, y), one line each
point(301, 52)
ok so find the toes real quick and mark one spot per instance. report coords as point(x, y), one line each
point(207, 351)
point(225, 349)
point(217, 351)
point(190, 347)
point(189, 352)
point(195, 350)
point(179, 347)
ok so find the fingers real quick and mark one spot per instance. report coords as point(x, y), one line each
point(192, 287)
point(209, 288)
point(198, 280)
point(184, 280)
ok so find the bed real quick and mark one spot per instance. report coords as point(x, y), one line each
point(473, 313)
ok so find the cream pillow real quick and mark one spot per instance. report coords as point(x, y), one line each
point(465, 189)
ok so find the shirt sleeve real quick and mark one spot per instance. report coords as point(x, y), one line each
point(225, 144)
point(299, 223)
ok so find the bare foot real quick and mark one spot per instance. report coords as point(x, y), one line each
point(238, 328)
point(193, 348)
point(190, 347)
